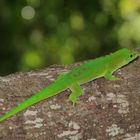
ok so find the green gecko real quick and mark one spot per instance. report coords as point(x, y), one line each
point(91, 70)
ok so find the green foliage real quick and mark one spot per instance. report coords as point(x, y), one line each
point(38, 33)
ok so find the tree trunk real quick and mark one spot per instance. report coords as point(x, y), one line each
point(108, 110)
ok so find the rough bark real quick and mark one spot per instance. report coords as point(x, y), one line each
point(108, 110)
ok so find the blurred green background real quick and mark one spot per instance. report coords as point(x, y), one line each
point(37, 33)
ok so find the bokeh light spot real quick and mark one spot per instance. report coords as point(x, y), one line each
point(31, 59)
point(77, 21)
point(129, 8)
point(28, 12)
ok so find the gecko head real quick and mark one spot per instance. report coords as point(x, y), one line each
point(130, 55)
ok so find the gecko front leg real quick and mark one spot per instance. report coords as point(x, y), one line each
point(111, 77)
point(76, 92)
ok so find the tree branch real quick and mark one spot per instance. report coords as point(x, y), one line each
point(107, 110)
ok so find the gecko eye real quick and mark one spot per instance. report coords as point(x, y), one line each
point(131, 55)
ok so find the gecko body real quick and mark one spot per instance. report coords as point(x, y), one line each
point(91, 70)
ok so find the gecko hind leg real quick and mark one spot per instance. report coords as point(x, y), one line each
point(111, 77)
point(76, 92)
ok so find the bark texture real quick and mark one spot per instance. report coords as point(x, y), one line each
point(108, 110)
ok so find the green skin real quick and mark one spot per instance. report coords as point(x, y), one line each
point(93, 69)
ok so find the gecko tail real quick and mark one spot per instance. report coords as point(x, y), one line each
point(50, 91)
point(20, 107)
